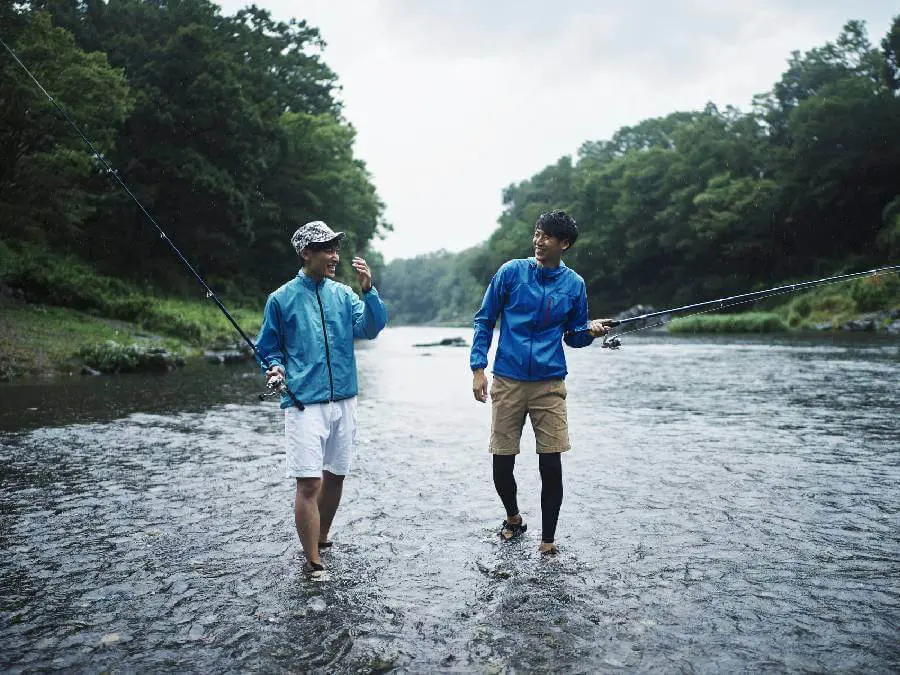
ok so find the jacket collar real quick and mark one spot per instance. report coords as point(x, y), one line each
point(544, 272)
point(308, 281)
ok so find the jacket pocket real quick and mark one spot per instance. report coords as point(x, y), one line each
point(556, 308)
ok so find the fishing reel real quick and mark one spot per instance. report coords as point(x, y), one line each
point(276, 386)
point(611, 342)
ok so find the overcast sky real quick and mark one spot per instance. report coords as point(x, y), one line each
point(453, 100)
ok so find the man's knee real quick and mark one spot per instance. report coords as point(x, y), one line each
point(550, 465)
point(308, 488)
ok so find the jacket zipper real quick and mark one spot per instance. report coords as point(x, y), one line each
point(327, 351)
point(540, 309)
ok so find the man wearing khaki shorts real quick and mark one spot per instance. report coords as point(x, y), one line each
point(542, 303)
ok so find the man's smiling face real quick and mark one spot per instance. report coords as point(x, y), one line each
point(323, 262)
point(548, 249)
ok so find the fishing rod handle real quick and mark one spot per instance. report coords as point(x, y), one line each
point(612, 323)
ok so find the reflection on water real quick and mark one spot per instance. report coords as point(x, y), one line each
point(731, 504)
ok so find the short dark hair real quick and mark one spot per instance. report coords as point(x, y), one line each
point(558, 224)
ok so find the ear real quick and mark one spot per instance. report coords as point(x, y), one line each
point(565, 245)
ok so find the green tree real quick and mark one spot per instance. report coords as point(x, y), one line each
point(41, 154)
point(233, 115)
point(432, 288)
point(836, 155)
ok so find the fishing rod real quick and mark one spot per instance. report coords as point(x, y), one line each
point(613, 341)
point(278, 387)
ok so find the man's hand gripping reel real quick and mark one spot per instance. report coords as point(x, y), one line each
point(276, 386)
point(609, 341)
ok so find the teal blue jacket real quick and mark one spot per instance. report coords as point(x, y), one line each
point(308, 329)
point(538, 309)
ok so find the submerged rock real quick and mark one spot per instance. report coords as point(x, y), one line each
point(865, 322)
point(226, 357)
point(446, 342)
point(227, 352)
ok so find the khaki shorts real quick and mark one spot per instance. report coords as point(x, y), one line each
point(544, 402)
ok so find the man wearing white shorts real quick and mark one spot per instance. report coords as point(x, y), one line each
point(306, 338)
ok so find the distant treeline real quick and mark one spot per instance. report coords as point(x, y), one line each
point(434, 288)
point(695, 205)
point(226, 127)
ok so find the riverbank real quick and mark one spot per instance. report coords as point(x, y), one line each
point(46, 341)
point(885, 321)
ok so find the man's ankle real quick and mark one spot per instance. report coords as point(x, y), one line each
point(515, 520)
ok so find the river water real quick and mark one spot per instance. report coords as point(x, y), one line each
point(732, 504)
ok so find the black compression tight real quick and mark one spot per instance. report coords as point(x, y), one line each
point(505, 483)
point(550, 465)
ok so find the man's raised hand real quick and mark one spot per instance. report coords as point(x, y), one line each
point(363, 274)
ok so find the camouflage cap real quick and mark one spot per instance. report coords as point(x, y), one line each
point(315, 232)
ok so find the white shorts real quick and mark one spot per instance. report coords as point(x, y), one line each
point(319, 438)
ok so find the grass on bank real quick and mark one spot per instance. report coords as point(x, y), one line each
point(48, 279)
point(45, 339)
point(52, 307)
point(840, 303)
point(749, 322)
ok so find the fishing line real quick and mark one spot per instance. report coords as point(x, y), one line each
point(282, 388)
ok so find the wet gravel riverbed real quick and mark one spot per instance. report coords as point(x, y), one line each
point(732, 504)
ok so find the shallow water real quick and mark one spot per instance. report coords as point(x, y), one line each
point(731, 504)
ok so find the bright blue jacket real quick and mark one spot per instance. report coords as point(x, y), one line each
point(308, 329)
point(538, 306)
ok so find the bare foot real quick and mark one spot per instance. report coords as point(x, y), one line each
point(548, 549)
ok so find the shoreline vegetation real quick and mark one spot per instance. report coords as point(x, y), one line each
point(58, 316)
